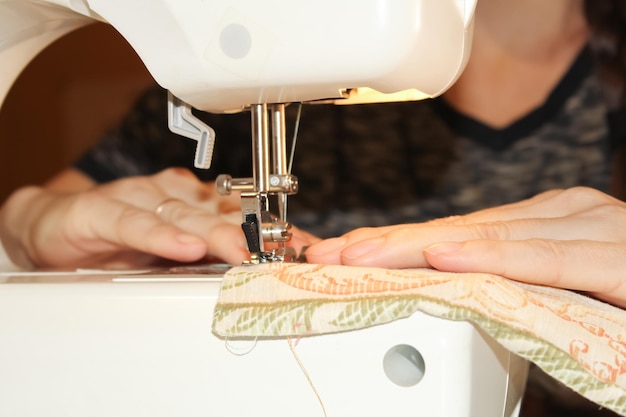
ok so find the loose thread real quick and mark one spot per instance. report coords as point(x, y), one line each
point(232, 349)
point(306, 374)
point(294, 139)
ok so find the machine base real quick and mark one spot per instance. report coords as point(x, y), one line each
point(117, 345)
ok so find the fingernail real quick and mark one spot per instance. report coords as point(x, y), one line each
point(361, 249)
point(327, 246)
point(445, 247)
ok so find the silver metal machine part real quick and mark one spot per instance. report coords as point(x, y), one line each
point(270, 176)
point(183, 122)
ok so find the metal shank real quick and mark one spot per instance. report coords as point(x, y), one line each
point(270, 178)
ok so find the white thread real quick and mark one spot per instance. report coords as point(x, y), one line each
point(292, 347)
point(239, 351)
point(295, 138)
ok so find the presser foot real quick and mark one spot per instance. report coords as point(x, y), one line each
point(282, 254)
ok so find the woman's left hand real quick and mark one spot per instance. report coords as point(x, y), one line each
point(573, 239)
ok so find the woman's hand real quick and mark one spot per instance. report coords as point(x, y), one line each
point(573, 239)
point(126, 223)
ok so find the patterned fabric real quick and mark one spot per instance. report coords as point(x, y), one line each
point(575, 339)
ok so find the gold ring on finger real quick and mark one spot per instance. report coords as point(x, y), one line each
point(159, 209)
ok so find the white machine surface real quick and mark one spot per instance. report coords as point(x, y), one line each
point(122, 345)
point(227, 54)
point(118, 345)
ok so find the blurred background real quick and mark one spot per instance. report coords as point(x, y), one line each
point(63, 101)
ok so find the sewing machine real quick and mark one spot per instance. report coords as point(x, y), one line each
point(106, 343)
point(223, 56)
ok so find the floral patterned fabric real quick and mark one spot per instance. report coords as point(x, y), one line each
point(575, 339)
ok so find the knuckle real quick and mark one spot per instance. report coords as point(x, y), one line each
point(499, 230)
point(576, 195)
point(361, 233)
point(77, 220)
point(550, 193)
point(85, 202)
point(128, 186)
point(128, 219)
point(178, 212)
point(174, 173)
point(447, 221)
point(551, 258)
point(606, 211)
point(608, 221)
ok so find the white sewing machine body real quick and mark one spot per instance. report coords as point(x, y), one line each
point(92, 345)
point(225, 55)
point(132, 345)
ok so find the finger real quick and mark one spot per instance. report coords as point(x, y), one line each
point(398, 246)
point(181, 183)
point(331, 250)
point(148, 192)
point(595, 267)
point(229, 203)
point(222, 234)
point(502, 212)
point(550, 204)
point(401, 247)
point(328, 251)
point(96, 226)
point(184, 185)
point(140, 192)
point(301, 238)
